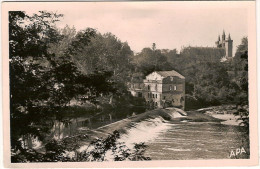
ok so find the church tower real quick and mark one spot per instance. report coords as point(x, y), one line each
point(218, 44)
point(226, 44)
point(229, 47)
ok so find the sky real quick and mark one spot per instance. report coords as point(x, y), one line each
point(168, 24)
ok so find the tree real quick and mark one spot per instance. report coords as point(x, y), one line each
point(210, 81)
point(149, 60)
point(59, 48)
point(108, 54)
point(42, 84)
point(240, 66)
point(172, 57)
point(154, 47)
point(29, 37)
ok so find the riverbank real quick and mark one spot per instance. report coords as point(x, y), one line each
point(226, 113)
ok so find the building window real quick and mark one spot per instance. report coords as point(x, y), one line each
point(148, 87)
point(155, 95)
point(156, 87)
point(148, 95)
point(164, 97)
point(170, 88)
point(175, 87)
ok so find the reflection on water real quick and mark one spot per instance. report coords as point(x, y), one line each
point(196, 141)
point(79, 125)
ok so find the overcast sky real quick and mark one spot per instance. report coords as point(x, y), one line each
point(168, 24)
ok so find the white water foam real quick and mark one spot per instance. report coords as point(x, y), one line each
point(145, 131)
point(178, 149)
point(176, 113)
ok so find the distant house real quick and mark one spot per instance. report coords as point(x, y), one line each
point(161, 89)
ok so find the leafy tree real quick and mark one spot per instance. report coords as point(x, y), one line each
point(210, 81)
point(28, 40)
point(240, 66)
point(149, 60)
point(106, 53)
point(59, 48)
point(42, 84)
point(172, 57)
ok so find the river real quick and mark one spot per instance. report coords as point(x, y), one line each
point(195, 140)
point(169, 140)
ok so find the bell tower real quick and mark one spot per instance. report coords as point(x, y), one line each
point(223, 36)
point(226, 44)
point(229, 47)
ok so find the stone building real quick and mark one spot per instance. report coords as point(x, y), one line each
point(161, 89)
point(226, 44)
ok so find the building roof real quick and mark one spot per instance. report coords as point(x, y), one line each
point(170, 73)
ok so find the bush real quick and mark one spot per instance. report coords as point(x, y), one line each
point(96, 151)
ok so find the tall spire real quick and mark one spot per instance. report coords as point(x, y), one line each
point(223, 35)
point(229, 38)
point(218, 37)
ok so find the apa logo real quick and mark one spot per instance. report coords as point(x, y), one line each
point(236, 152)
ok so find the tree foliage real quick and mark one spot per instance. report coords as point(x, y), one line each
point(43, 81)
point(149, 60)
point(28, 40)
point(208, 81)
point(239, 66)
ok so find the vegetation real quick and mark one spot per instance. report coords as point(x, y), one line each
point(208, 81)
point(45, 74)
point(97, 150)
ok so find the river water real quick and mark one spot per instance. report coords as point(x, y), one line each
point(195, 140)
point(169, 140)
